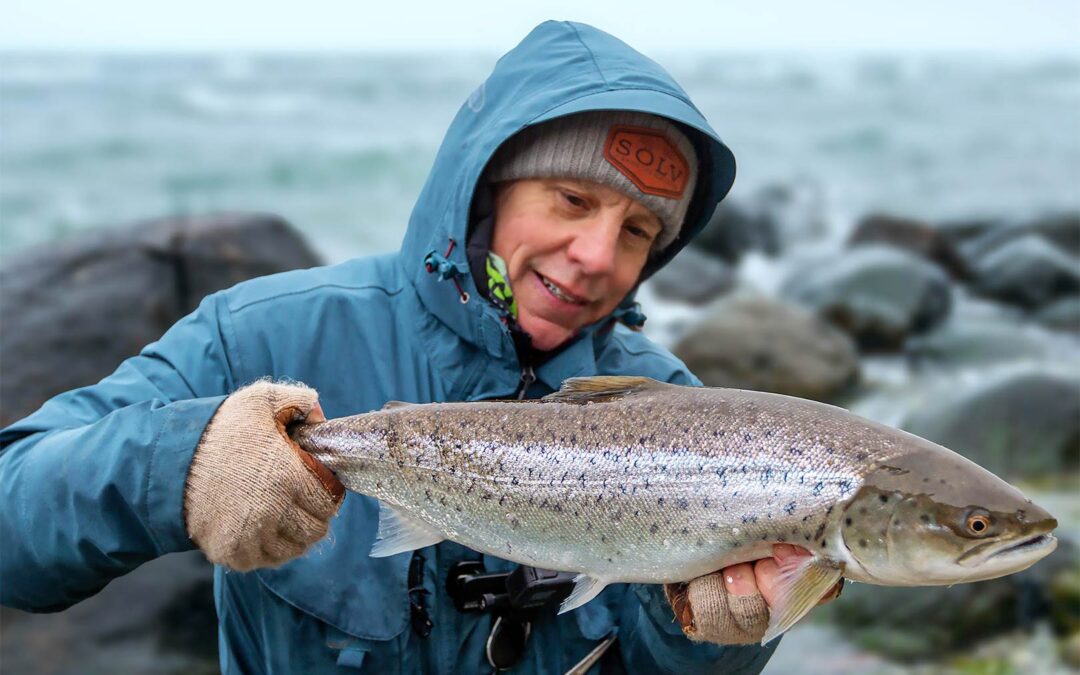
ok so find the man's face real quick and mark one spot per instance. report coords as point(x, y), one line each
point(573, 250)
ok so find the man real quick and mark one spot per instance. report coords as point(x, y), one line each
point(575, 171)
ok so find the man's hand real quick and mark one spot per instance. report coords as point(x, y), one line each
point(732, 606)
point(253, 498)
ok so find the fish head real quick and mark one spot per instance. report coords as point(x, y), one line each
point(931, 517)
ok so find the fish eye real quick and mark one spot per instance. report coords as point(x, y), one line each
point(978, 523)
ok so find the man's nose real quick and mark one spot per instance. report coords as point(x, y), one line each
point(594, 244)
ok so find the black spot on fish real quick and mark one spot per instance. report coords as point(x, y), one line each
point(699, 543)
point(660, 501)
point(862, 511)
point(883, 498)
point(820, 531)
point(862, 543)
point(828, 511)
point(686, 530)
point(806, 537)
point(654, 528)
point(427, 495)
point(847, 521)
point(514, 480)
point(747, 437)
point(795, 451)
point(603, 539)
point(806, 518)
point(822, 543)
point(790, 508)
point(861, 456)
point(458, 509)
point(705, 503)
point(925, 518)
point(682, 503)
point(599, 498)
point(942, 481)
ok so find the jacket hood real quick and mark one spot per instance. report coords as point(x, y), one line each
point(560, 68)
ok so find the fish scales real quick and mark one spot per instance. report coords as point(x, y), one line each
point(662, 487)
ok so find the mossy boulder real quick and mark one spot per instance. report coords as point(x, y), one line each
point(1023, 424)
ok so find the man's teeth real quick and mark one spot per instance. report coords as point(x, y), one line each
point(557, 292)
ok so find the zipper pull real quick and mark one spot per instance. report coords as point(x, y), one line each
point(527, 378)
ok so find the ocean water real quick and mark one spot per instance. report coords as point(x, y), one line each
point(341, 144)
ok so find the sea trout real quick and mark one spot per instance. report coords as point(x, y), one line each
point(626, 479)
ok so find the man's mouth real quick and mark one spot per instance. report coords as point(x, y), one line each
point(559, 292)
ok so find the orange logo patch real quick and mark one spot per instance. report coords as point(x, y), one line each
point(648, 159)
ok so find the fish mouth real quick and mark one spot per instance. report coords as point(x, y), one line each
point(1029, 548)
point(1029, 545)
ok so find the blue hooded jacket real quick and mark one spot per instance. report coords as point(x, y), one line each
point(93, 482)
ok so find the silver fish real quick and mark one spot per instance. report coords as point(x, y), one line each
point(626, 479)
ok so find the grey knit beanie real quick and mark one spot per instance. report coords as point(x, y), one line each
point(643, 156)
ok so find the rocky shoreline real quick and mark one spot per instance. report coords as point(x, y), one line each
point(967, 333)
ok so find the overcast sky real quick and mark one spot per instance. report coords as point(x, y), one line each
point(1030, 26)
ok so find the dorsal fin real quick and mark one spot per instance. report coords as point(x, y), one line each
point(390, 405)
point(601, 389)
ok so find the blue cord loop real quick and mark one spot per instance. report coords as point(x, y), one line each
point(630, 314)
point(444, 268)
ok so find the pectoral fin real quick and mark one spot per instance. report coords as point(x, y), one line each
point(585, 589)
point(801, 583)
point(399, 532)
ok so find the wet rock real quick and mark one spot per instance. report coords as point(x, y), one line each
point(1027, 271)
point(968, 342)
point(751, 343)
point(915, 624)
point(1063, 315)
point(877, 294)
point(1020, 425)
point(915, 236)
point(74, 309)
point(693, 277)
point(160, 618)
point(967, 230)
point(735, 229)
point(1060, 230)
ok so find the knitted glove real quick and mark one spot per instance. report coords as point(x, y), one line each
point(708, 613)
point(253, 498)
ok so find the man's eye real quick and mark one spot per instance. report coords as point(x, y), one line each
point(573, 200)
point(639, 232)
